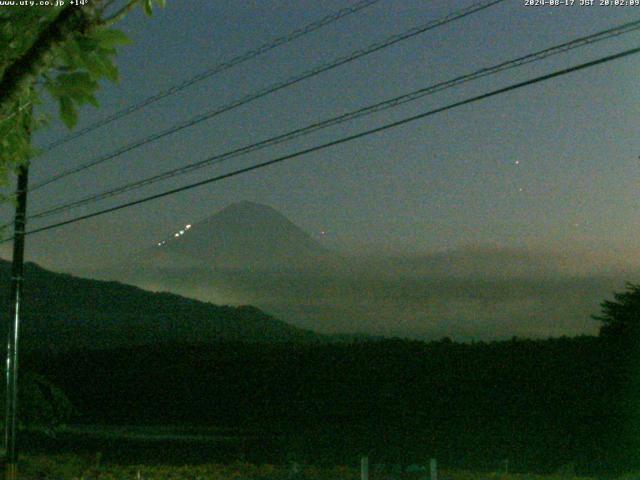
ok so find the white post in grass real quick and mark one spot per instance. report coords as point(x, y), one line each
point(433, 469)
point(364, 468)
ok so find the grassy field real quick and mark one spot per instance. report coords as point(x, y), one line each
point(77, 467)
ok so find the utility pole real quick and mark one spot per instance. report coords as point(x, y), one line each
point(11, 421)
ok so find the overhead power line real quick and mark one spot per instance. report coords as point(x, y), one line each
point(368, 110)
point(344, 139)
point(216, 69)
point(275, 87)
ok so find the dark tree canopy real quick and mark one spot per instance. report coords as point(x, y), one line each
point(68, 49)
point(621, 317)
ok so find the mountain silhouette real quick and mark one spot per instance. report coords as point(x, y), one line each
point(242, 235)
point(61, 311)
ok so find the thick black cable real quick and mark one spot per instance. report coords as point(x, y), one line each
point(216, 69)
point(342, 140)
point(378, 107)
point(274, 88)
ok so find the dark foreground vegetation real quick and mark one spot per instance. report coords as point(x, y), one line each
point(63, 467)
point(544, 405)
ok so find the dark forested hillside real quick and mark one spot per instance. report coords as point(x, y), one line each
point(541, 404)
point(62, 311)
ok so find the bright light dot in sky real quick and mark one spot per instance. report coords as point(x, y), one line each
point(322, 232)
point(181, 232)
point(177, 235)
point(159, 243)
point(188, 226)
point(517, 162)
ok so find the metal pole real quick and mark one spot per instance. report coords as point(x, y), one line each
point(433, 469)
point(10, 424)
point(364, 468)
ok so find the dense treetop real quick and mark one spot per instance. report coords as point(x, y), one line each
point(62, 51)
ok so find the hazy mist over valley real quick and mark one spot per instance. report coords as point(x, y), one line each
point(249, 254)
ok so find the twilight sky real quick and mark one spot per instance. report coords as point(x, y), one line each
point(551, 167)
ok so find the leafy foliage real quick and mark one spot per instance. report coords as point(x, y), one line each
point(541, 404)
point(621, 317)
point(42, 405)
point(67, 64)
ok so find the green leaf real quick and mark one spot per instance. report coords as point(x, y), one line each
point(52, 88)
point(68, 112)
point(93, 67)
point(7, 30)
point(111, 38)
point(87, 43)
point(71, 54)
point(110, 70)
point(147, 7)
point(92, 100)
point(77, 84)
point(99, 64)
